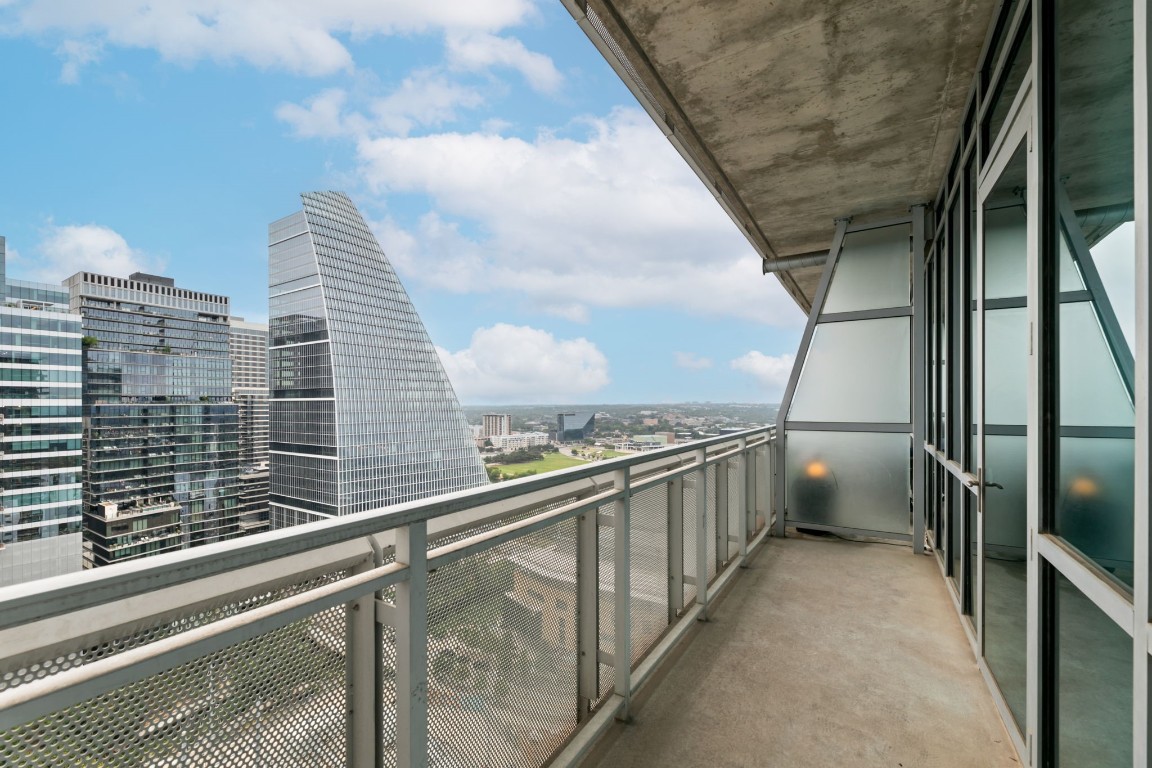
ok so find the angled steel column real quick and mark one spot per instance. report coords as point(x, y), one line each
point(919, 371)
point(801, 355)
point(412, 647)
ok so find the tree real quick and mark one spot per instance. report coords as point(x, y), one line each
point(494, 474)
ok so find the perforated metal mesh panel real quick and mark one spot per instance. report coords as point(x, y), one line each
point(275, 700)
point(735, 479)
point(93, 648)
point(649, 567)
point(764, 484)
point(606, 574)
point(502, 652)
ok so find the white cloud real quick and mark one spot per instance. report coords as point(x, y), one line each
point(483, 50)
point(301, 36)
point(321, 116)
point(771, 372)
point(76, 55)
point(612, 219)
point(692, 362)
point(510, 363)
point(67, 250)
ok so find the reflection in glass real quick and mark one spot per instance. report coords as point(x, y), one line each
point(850, 479)
point(1094, 155)
point(1014, 71)
point(1094, 684)
point(1004, 463)
point(873, 271)
point(856, 370)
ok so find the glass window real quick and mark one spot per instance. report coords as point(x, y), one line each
point(856, 371)
point(849, 479)
point(873, 271)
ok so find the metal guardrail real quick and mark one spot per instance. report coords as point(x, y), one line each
point(476, 628)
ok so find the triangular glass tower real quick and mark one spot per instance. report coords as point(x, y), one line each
point(363, 415)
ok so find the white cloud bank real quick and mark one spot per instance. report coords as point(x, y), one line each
point(299, 36)
point(612, 219)
point(511, 363)
point(770, 372)
point(692, 362)
point(66, 250)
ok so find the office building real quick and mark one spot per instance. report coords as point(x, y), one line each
point(248, 347)
point(518, 440)
point(575, 426)
point(362, 414)
point(496, 424)
point(160, 431)
point(41, 424)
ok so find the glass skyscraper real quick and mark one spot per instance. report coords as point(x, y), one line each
point(363, 415)
point(248, 344)
point(40, 419)
point(160, 428)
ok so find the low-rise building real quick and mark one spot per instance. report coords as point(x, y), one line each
point(518, 440)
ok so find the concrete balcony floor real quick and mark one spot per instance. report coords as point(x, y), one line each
point(823, 653)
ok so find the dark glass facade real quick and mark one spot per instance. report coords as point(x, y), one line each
point(575, 426)
point(160, 427)
point(363, 415)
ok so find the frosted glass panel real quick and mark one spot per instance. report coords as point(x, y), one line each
point(1006, 366)
point(1070, 279)
point(1095, 684)
point(873, 270)
point(856, 371)
point(849, 479)
point(1005, 252)
point(1091, 391)
point(1095, 503)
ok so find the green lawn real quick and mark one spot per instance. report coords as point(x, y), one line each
point(549, 463)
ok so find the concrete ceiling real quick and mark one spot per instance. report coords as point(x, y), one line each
point(798, 112)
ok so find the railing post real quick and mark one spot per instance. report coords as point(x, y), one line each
point(743, 465)
point(587, 612)
point(702, 533)
point(412, 647)
point(675, 547)
point(362, 678)
point(622, 549)
point(721, 513)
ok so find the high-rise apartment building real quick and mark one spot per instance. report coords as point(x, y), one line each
point(40, 420)
point(160, 428)
point(363, 415)
point(496, 424)
point(248, 345)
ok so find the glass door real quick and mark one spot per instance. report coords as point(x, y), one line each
point(1000, 480)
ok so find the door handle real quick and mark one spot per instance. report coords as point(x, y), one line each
point(974, 482)
point(993, 485)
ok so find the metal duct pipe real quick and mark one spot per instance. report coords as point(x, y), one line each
point(787, 263)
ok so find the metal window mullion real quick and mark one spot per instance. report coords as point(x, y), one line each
point(779, 499)
point(622, 581)
point(675, 547)
point(412, 647)
point(919, 365)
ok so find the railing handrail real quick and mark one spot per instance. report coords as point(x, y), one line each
point(62, 595)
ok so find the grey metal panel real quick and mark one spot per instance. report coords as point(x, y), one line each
point(919, 372)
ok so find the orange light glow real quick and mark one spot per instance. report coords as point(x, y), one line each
point(1084, 486)
point(817, 470)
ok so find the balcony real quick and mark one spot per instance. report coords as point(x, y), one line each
point(484, 628)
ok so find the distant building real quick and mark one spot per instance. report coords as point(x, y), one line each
point(519, 440)
point(42, 427)
point(248, 347)
point(496, 424)
point(160, 432)
point(669, 437)
point(363, 415)
point(575, 426)
point(643, 442)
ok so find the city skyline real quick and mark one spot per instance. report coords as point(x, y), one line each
point(531, 296)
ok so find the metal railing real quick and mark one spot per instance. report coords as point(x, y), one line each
point(506, 625)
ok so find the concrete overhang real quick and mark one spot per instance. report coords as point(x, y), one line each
point(797, 112)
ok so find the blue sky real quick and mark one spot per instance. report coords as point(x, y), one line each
point(557, 248)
